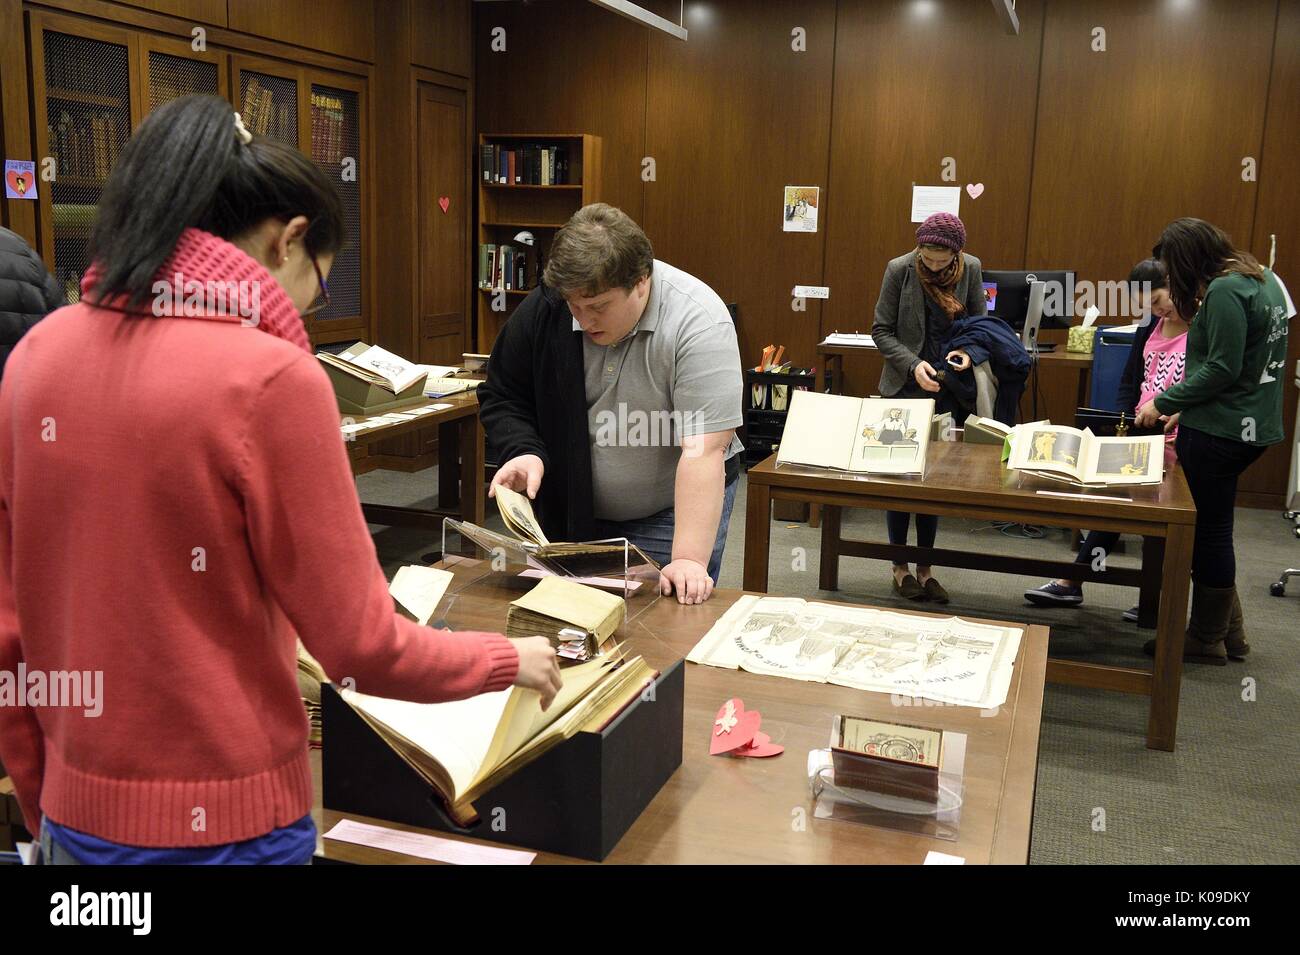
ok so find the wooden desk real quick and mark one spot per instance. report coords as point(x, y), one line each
point(460, 462)
point(731, 810)
point(968, 480)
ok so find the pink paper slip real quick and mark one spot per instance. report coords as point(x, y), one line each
point(426, 847)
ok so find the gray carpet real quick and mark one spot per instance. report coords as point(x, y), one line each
point(1229, 793)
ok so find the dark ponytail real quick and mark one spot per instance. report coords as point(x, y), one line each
point(1194, 252)
point(186, 166)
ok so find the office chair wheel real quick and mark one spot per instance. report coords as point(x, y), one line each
point(1277, 588)
point(1296, 532)
point(1289, 515)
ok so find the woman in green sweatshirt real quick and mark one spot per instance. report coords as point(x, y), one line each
point(1230, 408)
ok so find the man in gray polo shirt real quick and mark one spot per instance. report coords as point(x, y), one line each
point(657, 403)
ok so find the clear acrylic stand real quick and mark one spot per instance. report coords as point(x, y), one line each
point(615, 563)
point(937, 818)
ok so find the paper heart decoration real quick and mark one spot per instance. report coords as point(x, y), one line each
point(761, 746)
point(19, 182)
point(734, 727)
point(974, 189)
point(444, 202)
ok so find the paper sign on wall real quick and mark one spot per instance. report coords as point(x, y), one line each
point(927, 200)
point(800, 209)
point(812, 291)
point(20, 179)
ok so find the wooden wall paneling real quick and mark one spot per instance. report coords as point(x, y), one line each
point(441, 32)
point(568, 66)
point(202, 11)
point(912, 88)
point(442, 267)
point(217, 36)
point(732, 116)
point(18, 215)
point(1152, 129)
point(345, 27)
point(1277, 212)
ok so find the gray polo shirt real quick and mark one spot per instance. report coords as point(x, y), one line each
point(677, 374)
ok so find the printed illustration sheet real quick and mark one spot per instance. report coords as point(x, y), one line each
point(948, 660)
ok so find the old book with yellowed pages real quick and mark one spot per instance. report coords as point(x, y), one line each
point(466, 747)
point(1085, 460)
point(860, 435)
point(566, 612)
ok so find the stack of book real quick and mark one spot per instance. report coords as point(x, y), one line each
point(86, 145)
point(263, 116)
point(526, 165)
point(376, 366)
point(505, 267)
point(328, 129)
point(577, 619)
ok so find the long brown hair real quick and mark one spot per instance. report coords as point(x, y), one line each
point(1194, 252)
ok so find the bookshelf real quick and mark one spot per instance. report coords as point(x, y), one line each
point(537, 202)
point(84, 90)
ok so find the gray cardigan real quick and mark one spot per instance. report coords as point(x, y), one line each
point(899, 328)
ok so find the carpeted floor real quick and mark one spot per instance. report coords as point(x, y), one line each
point(1230, 792)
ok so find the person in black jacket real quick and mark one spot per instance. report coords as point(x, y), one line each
point(27, 291)
point(1149, 287)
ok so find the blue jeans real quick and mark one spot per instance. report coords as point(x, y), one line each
point(654, 534)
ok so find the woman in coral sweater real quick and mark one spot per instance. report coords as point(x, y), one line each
point(177, 509)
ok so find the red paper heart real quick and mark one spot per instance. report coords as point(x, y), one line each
point(761, 746)
point(444, 201)
point(20, 183)
point(733, 729)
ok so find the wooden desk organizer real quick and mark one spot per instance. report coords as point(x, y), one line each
point(577, 799)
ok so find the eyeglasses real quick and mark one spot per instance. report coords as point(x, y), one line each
point(324, 301)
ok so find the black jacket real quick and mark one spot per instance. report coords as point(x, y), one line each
point(1130, 381)
point(991, 340)
point(535, 402)
point(27, 292)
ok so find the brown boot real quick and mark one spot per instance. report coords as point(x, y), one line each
point(1235, 642)
point(1204, 642)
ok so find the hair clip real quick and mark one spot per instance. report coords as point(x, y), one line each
point(241, 131)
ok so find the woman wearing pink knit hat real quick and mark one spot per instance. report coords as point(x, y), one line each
point(923, 292)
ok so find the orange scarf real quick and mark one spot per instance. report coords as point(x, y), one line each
point(939, 285)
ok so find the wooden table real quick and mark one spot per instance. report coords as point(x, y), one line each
point(968, 480)
point(732, 810)
point(460, 462)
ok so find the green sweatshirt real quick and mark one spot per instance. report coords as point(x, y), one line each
point(1236, 362)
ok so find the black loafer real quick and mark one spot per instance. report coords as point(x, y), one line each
point(910, 588)
point(934, 591)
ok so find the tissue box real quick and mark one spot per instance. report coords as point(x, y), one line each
point(1081, 338)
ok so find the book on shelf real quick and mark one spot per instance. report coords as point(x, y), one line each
point(465, 748)
point(505, 267)
point(861, 435)
point(376, 366)
point(1085, 460)
point(528, 164)
point(577, 619)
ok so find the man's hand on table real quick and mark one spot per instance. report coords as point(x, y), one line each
point(689, 579)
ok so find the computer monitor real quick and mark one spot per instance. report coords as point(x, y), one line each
point(1007, 296)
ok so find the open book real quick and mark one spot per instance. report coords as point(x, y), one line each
point(591, 559)
point(866, 435)
point(1082, 458)
point(376, 366)
point(466, 747)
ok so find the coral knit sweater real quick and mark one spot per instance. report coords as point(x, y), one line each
point(175, 506)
